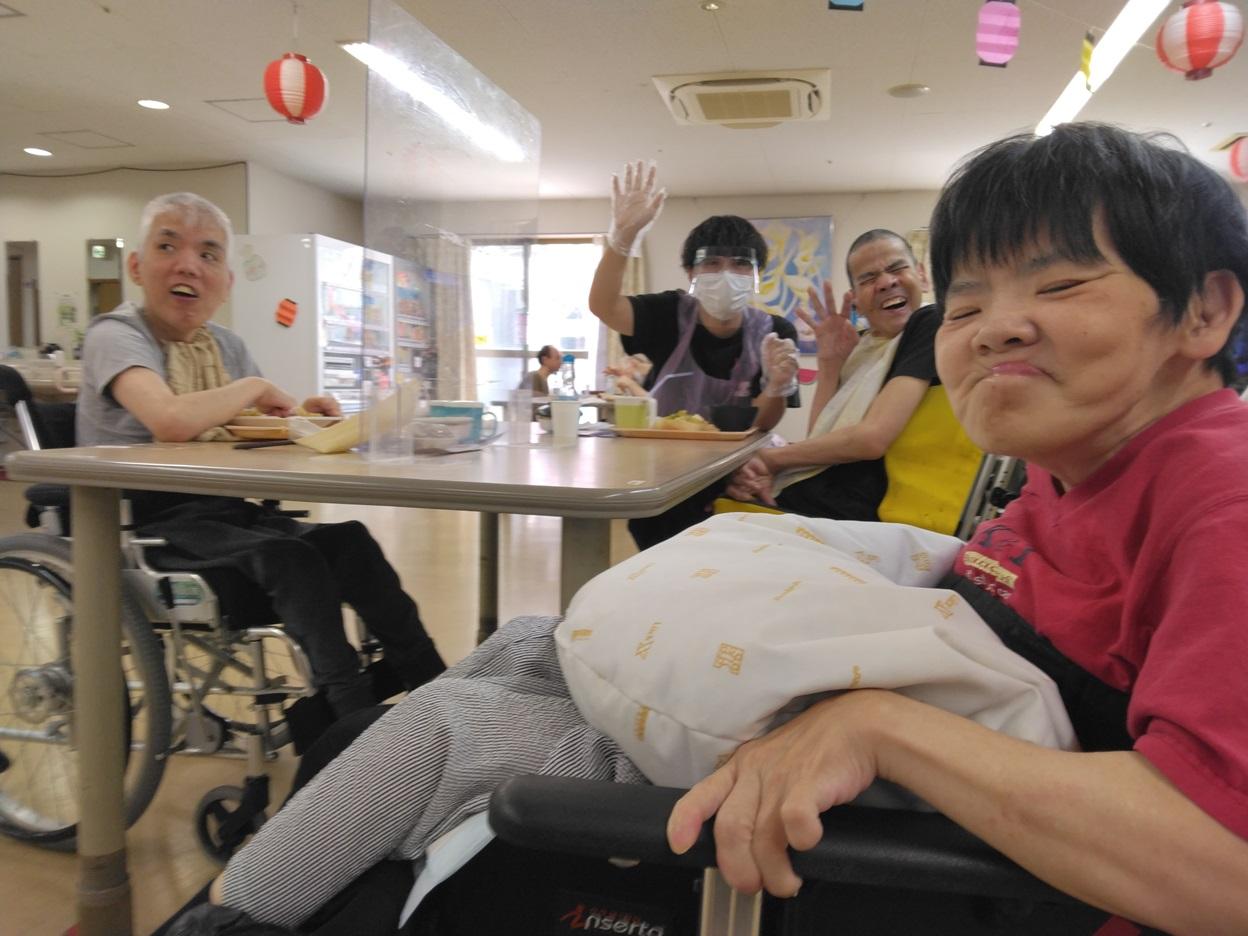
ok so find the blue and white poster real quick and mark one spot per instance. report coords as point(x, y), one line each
point(799, 256)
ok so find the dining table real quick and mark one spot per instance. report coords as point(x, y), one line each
point(587, 483)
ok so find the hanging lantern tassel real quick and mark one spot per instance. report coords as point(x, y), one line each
point(996, 35)
point(1085, 59)
point(1201, 36)
point(295, 87)
point(1239, 160)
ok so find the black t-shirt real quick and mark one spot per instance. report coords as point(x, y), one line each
point(656, 333)
point(854, 491)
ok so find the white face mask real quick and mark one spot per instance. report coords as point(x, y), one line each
point(724, 296)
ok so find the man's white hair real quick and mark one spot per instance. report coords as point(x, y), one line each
point(189, 206)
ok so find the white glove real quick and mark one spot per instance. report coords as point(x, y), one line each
point(634, 206)
point(779, 356)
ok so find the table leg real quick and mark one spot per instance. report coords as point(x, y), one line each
point(585, 551)
point(99, 731)
point(487, 578)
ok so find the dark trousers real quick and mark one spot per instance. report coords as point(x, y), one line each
point(307, 571)
point(649, 531)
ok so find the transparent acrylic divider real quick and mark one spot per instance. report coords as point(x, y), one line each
point(388, 421)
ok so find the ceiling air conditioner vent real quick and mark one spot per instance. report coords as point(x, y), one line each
point(747, 100)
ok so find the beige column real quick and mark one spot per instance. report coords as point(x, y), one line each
point(99, 713)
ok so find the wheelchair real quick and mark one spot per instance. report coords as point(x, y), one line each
point(207, 669)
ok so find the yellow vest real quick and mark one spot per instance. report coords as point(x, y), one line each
point(931, 467)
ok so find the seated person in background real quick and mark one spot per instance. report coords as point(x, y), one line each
point(1078, 338)
point(710, 346)
point(164, 371)
point(869, 390)
point(548, 361)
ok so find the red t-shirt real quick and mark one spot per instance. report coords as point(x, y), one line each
point(1140, 576)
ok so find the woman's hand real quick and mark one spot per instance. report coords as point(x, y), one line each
point(271, 400)
point(835, 335)
point(325, 405)
point(770, 795)
point(752, 481)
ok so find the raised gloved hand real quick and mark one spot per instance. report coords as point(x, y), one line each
point(634, 206)
point(779, 357)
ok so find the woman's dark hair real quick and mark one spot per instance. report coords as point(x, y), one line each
point(1170, 217)
point(724, 231)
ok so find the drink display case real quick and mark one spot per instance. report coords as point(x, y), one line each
point(318, 314)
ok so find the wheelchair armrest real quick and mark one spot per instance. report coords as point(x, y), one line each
point(860, 845)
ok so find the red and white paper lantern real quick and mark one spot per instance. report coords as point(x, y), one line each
point(295, 87)
point(1201, 36)
point(996, 33)
point(1239, 160)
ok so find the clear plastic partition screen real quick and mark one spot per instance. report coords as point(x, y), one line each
point(451, 161)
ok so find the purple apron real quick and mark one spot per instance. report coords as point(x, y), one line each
point(698, 392)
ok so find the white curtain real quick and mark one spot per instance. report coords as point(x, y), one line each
point(445, 259)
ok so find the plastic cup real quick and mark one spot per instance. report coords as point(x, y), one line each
point(631, 413)
point(564, 417)
point(519, 416)
point(388, 419)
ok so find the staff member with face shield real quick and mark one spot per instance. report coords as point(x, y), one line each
point(709, 345)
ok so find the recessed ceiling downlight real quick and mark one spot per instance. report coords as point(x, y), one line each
point(36, 151)
point(151, 104)
point(911, 89)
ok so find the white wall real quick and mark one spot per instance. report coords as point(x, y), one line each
point(61, 214)
point(278, 204)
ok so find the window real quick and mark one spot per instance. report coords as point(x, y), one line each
point(526, 295)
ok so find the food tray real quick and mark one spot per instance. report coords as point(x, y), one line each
point(260, 432)
point(692, 435)
point(261, 422)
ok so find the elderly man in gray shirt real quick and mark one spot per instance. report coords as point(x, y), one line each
point(163, 371)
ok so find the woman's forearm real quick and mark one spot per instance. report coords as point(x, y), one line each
point(1107, 828)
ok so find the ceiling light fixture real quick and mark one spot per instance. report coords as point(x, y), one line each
point(911, 89)
point(711, 6)
point(151, 104)
point(398, 74)
point(36, 151)
point(1123, 33)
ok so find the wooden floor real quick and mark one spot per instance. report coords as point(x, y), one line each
point(435, 553)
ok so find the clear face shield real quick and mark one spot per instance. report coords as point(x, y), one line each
point(725, 280)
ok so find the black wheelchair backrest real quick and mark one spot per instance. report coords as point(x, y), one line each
point(51, 423)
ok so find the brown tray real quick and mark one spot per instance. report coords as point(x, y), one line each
point(692, 435)
point(260, 432)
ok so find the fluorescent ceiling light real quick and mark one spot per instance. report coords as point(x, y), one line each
point(153, 105)
point(488, 138)
point(36, 151)
point(1123, 33)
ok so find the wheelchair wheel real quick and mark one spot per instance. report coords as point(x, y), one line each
point(227, 672)
point(218, 836)
point(38, 753)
